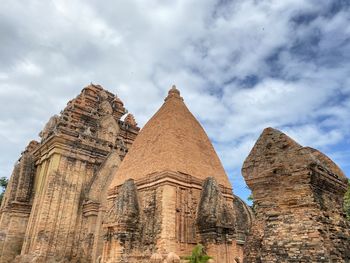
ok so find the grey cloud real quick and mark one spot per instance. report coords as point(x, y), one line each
point(239, 65)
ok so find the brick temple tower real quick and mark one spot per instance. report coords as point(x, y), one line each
point(171, 192)
point(54, 202)
point(298, 193)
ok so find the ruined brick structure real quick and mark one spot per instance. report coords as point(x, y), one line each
point(171, 192)
point(53, 205)
point(298, 193)
point(73, 197)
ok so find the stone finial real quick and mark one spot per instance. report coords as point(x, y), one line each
point(156, 258)
point(174, 90)
point(130, 119)
point(117, 102)
point(173, 93)
point(49, 127)
point(172, 258)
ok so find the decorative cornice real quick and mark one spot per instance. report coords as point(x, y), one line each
point(172, 178)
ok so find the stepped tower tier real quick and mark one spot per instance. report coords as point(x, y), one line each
point(53, 206)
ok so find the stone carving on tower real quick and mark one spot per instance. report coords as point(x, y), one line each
point(61, 183)
point(49, 127)
point(123, 220)
point(16, 205)
point(178, 183)
point(215, 219)
point(95, 189)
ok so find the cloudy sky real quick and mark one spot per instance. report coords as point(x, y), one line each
point(241, 66)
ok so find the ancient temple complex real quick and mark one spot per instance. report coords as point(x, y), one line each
point(96, 188)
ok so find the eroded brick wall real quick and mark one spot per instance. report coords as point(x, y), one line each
point(298, 194)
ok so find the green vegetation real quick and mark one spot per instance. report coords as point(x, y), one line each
point(347, 202)
point(251, 199)
point(198, 255)
point(3, 184)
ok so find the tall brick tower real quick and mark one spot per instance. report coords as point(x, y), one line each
point(53, 205)
point(171, 192)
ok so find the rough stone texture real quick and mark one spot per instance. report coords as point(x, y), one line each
point(122, 223)
point(131, 225)
point(60, 205)
point(94, 207)
point(172, 258)
point(169, 161)
point(16, 205)
point(243, 220)
point(54, 204)
point(130, 120)
point(172, 140)
point(223, 225)
point(298, 195)
point(156, 258)
point(216, 222)
point(214, 215)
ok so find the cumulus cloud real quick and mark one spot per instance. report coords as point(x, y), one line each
point(240, 65)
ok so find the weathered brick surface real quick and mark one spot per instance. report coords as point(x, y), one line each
point(172, 140)
point(59, 186)
point(16, 205)
point(298, 195)
point(168, 221)
point(68, 201)
point(169, 161)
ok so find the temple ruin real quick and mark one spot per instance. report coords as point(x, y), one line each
point(171, 192)
point(298, 193)
point(55, 198)
point(97, 189)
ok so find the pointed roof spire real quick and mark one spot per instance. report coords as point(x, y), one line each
point(173, 93)
point(172, 140)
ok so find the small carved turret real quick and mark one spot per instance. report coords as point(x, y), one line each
point(125, 213)
point(130, 119)
point(49, 127)
point(215, 216)
point(127, 205)
point(122, 220)
point(32, 146)
point(117, 102)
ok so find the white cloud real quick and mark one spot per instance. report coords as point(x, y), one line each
point(310, 134)
point(240, 65)
point(28, 68)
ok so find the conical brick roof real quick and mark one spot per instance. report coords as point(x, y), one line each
point(172, 140)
